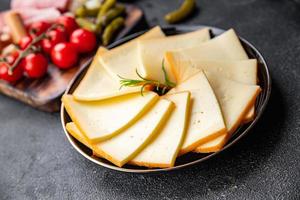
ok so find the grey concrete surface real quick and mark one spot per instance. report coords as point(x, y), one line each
point(37, 162)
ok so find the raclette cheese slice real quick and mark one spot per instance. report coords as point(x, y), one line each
point(163, 149)
point(243, 71)
point(100, 120)
point(126, 145)
point(236, 99)
point(206, 121)
point(226, 46)
point(123, 60)
point(151, 52)
point(97, 84)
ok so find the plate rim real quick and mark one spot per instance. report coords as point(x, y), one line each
point(192, 163)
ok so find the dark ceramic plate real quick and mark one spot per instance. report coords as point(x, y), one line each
point(190, 158)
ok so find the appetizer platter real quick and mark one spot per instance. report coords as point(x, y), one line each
point(166, 98)
point(44, 46)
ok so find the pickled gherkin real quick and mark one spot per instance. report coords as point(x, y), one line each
point(86, 24)
point(103, 17)
point(106, 6)
point(111, 30)
point(112, 14)
point(185, 10)
point(80, 12)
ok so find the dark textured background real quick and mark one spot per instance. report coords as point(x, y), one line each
point(37, 162)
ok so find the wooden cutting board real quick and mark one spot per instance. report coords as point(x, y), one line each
point(45, 93)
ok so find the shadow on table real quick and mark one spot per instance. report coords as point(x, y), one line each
point(223, 172)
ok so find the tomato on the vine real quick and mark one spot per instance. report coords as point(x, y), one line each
point(53, 37)
point(84, 40)
point(35, 65)
point(68, 22)
point(15, 76)
point(64, 55)
point(4, 68)
point(25, 41)
point(37, 28)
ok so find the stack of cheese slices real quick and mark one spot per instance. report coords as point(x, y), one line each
point(215, 92)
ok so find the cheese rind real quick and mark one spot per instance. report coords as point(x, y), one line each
point(76, 133)
point(97, 84)
point(206, 121)
point(213, 145)
point(126, 145)
point(123, 60)
point(163, 149)
point(100, 120)
point(151, 52)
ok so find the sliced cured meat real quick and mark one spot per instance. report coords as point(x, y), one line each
point(30, 15)
point(59, 4)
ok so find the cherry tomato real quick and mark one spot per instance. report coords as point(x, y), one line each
point(37, 28)
point(68, 22)
point(54, 37)
point(35, 65)
point(15, 76)
point(64, 55)
point(84, 40)
point(25, 41)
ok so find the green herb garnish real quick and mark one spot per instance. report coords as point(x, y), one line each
point(161, 88)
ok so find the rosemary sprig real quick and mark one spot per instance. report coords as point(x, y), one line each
point(163, 87)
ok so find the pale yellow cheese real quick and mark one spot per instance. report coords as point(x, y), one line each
point(243, 71)
point(206, 121)
point(226, 46)
point(151, 52)
point(163, 149)
point(126, 145)
point(236, 99)
point(97, 84)
point(100, 120)
point(123, 60)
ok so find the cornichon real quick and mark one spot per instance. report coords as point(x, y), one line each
point(111, 30)
point(112, 14)
point(106, 6)
point(86, 12)
point(86, 24)
point(92, 12)
point(185, 9)
point(80, 12)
